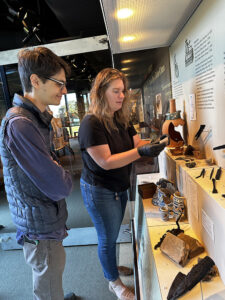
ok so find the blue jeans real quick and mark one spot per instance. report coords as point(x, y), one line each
point(106, 209)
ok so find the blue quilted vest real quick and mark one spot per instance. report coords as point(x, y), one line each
point(31, 210)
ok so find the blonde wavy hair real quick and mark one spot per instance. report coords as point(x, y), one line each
point(99, 106)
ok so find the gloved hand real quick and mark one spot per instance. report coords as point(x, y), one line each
point(151, 150)
point(164, 139)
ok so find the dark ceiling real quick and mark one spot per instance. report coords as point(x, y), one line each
point(138, 65)
point(36, 22)
point(58, 20)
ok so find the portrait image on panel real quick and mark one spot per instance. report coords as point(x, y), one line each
point(158, 102)
point(189, 53)
point(176, 69)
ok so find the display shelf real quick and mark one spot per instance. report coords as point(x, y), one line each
point(167, 269)
point(205, 182)
point(153, 214)
point(207, 185)
point(205, 209)
point(157, 271)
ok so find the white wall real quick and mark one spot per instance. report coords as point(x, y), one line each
point(204, 76)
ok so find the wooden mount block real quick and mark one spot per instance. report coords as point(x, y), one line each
point(176, 249)
point(195, 247)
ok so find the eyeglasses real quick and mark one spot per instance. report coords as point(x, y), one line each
point(60, 84)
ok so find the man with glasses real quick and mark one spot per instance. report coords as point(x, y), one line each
point(35, 183)
point(61, 84)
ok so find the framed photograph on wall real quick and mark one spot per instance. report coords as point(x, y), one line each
point(158, 104)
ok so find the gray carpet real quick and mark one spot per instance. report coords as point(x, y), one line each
point(88, 236)
point(76, 237)
point(82, 275)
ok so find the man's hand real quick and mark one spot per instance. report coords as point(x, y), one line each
point(151, 150)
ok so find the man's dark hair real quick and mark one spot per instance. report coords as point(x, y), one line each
point(41, 61)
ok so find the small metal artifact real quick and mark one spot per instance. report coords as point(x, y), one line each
point(211, 174)
point(189, 150)
point(214, 186)
point(218, 173)
point(190, 164)
point(185, 159)
point(202, 174)
point(202, 127)
point(219, 147)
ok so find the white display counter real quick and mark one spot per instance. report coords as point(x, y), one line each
point(156, 271)
point(206, 210)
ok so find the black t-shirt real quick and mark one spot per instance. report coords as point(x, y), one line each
point(92, 132)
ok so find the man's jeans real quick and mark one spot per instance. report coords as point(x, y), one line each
point(47, 260)
point(106, 209)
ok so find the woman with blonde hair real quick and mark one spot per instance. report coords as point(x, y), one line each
point(109, 144)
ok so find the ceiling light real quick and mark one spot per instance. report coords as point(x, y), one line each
point(127, 61)
point(124, 13)
point(128, 38)
point(125, 69)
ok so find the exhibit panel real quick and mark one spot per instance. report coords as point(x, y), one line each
point(198, 79)
point(198, 85)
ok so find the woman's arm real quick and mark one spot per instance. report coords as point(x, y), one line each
point(102, 156)
point(138, 142)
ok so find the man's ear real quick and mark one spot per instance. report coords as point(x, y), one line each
point(35, 81)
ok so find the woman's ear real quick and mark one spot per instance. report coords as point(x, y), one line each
point(35, 80)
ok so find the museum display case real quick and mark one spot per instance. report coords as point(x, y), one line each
point(156, 270)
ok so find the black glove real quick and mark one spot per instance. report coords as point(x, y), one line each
point(151, 150)
point(164, 139)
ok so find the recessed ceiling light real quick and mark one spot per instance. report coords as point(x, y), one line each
point(128, 38)
point(124, 13)
point(127, 61)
